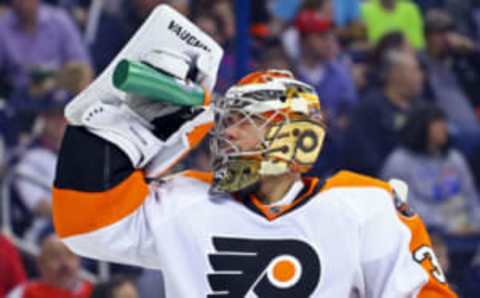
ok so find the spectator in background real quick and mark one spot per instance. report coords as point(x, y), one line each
point(319, 67)
point(394, 40)
point(12, 272)
point(464, 15)
point(273, 56)
point(17, 118)
point(378, 118)
point(322, 10)
point(116, 23)
point(383, 16)
point(37, 38)
point(452, 64)
point(118, 287)
point(59, 272)
point(345, 15)
point(36, 167)
point(441, 187)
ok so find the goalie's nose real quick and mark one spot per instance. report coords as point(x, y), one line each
point(231, 133)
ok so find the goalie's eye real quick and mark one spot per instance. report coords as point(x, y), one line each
point(233, 118)
point(242, 119)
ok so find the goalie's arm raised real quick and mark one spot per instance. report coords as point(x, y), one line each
point(97, 186)
point(102, 206)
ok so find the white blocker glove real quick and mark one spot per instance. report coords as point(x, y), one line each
point(170, 43)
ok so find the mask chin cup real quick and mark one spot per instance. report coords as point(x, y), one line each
point(269, 167)
point(236, 175)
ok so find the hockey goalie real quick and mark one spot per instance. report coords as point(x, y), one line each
point(256, 226)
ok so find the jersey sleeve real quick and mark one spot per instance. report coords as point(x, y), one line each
point(421, 250)
point(103, 208)
point(397, 255)
point(387, 264)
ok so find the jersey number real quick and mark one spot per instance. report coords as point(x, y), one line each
point(425, 253)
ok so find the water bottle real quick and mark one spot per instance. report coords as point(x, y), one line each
point(141, 79)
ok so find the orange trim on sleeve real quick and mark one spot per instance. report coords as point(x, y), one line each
point(433, 288)
point(198, 133)
point(206, 177)
point(207, 98)
point(76, 212)
point(350, 179)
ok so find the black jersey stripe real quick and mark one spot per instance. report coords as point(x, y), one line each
point(89, 163)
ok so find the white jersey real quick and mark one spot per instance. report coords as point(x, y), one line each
point(341, 239)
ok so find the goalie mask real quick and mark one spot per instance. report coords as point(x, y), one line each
point(285, 116)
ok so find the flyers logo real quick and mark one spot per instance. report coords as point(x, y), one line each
point(267, 268)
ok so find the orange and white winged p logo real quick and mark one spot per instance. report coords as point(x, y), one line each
point(264, 267)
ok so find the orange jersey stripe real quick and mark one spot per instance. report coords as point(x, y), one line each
point(350, 179)
point(206, 177)
point(76, 212)
point(198, 134)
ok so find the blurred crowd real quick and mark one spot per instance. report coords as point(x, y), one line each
point(398, 80)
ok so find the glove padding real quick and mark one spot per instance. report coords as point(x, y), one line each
point(152, 132)
point(165, 36)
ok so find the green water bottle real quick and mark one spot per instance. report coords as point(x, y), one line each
point(141, 79)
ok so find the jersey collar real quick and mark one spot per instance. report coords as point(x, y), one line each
point(296, 197)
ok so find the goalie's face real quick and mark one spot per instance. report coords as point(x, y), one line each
point(264, 128)
point(238, 145)
point(240, 134)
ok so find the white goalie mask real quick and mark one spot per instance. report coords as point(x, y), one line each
point(286, 115)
